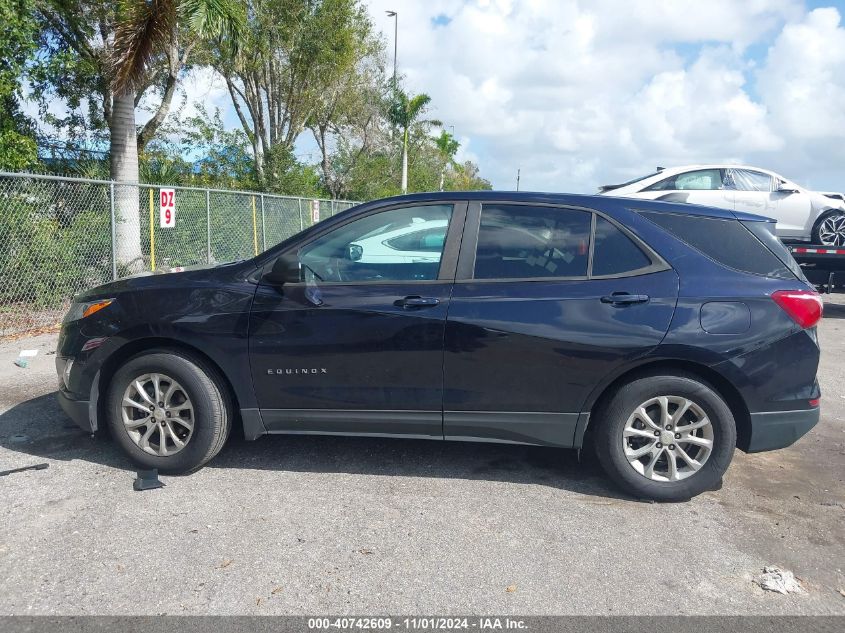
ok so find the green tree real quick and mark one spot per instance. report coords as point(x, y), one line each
point(103, 58)
point(18, 149)
point(465, 177)
point(349, 113)
point(370, 175)
point(448, 146)
point(221, 158)
point(295, 57)
point(292, 177)
point(405, 111)
point(18, 31)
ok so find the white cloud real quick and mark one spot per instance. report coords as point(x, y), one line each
point(700, 114)
point(577, 94)
point(803, 81)
point(803, 87)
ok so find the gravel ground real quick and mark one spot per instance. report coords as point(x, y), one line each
point(310, 525)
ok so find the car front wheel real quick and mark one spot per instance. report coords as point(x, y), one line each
point(168, 410)
point(666, 438)
point(830, 230)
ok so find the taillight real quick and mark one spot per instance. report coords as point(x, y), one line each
point(804, 306)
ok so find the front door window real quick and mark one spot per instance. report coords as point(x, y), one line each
point(698, 180)
point(398, 245)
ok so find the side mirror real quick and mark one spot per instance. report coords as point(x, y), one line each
point(785, 187)
point(285, 270)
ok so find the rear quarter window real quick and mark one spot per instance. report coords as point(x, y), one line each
point(726, 241)
point(765, 232)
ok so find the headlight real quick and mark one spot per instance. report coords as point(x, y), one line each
point(66, 372)
point(85, 309)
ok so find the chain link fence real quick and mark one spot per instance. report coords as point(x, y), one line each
point(59, 236)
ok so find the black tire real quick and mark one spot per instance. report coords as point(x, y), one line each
point(816, 237)
point(610, 420)
point(212, 409)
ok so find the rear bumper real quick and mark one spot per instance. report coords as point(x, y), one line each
point(78, 411)
point(779, 429)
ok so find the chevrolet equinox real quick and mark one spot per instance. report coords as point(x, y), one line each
point(662, 335)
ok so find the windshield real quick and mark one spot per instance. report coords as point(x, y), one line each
point(630, 182)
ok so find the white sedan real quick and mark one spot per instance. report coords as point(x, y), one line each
point(801, 214)
point(420, 241)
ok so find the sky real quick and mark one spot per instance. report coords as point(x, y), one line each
point(579, 94)
point(576, 94)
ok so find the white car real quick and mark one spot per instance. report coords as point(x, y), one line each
point(420, 241)
point(802, 215)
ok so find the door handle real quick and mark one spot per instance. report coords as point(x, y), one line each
point(416, 302)
point(623, 298)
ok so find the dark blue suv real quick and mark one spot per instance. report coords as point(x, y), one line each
point(662, 335)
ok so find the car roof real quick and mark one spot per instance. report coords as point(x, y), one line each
point(679, 168)
point(713, 166)
point(597, 202)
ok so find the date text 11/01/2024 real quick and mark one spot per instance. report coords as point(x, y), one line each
point(418, 623)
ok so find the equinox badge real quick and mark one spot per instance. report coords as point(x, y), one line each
point(304, 370)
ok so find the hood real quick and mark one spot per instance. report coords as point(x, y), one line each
point(833, 195)
point(147, 278)
point(168, 270)
point(828, 200)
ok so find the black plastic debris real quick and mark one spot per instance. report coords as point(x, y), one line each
point(11, 471)
point(147, 480)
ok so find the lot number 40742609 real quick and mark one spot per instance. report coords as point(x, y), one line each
point(167, 207)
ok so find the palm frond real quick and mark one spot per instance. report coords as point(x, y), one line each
point(216, 18)
point(146, 26)
point(397, 112)
point(417, 104)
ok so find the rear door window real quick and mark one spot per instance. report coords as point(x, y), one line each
point(614, 252)
point(749, 180)
point(524, 242)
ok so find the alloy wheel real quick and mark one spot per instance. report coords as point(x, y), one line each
point(157, 414)
point(667, 438)
point(832, 230)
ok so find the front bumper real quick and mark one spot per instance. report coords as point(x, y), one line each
point(77, 410)
point(75, 383)
point(779, 429)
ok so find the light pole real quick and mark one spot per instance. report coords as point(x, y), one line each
point(395, 16)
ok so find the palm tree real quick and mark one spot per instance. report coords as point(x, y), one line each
point(404, 112)
point(144, 30)
point(447, 146)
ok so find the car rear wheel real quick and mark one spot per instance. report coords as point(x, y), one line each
point(666, 438)
point(830, 229)
point(168, 410)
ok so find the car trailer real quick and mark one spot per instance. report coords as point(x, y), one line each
point(820, 263)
